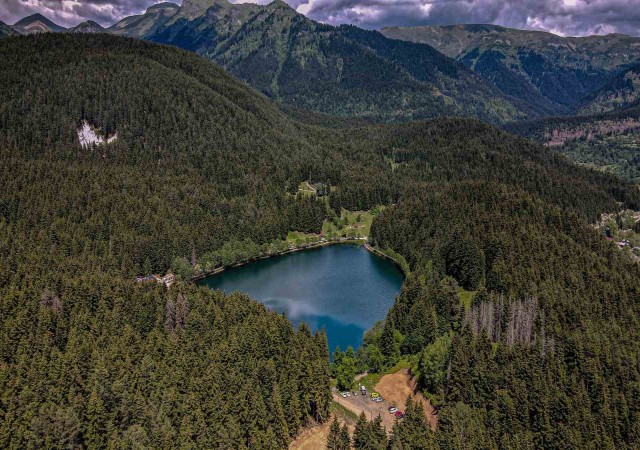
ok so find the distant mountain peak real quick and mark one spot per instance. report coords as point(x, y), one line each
point(6, 30)
point(279, 4)
point(88, 26)
point(30, 19)
point(37, 23)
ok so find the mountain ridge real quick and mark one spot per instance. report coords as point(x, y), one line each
point(547, 69)
point(310, 65)
point(332, 70)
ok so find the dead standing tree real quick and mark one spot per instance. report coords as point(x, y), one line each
point(519, 323)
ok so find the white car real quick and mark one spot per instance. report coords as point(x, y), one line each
point(392, 410)
point(344, 394)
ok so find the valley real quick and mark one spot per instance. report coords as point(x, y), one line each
point(333, 209)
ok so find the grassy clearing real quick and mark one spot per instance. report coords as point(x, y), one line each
point(306, 189)
point(466, 297)
point(351, 224)
point(370, 380)
point(343, 413)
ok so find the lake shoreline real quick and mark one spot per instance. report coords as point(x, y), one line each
point(356, 242)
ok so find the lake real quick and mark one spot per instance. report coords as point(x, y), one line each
point(343, 288)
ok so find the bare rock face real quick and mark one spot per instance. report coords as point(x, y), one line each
point(89, 136)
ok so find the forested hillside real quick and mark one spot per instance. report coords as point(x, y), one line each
point(607, 141)
point(556, 74)
point(619, 93)
point(524, 320)
point(197, 160)
point(89, 358)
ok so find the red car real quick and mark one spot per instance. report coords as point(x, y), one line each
point(399, 414)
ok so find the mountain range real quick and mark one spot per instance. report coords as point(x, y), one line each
point(564, 75)
point(342, 71)
point(493, 73)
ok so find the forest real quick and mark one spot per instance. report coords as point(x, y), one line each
point(545, 355)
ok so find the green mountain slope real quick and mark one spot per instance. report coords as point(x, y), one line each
point(199, 162)
point(553, 72)
point(147, 23)
point(619, 93)
point(341, 71)
point(117, 361)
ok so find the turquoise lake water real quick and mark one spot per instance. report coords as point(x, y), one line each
point(343, 288)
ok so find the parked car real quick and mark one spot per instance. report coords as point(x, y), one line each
point(344, 394)
point(375, 395)
point(393, 410)
point(378, 399)
point(399, 414)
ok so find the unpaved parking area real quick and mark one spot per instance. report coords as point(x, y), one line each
point(396, 387)
point(359, 404)
point(393, 388)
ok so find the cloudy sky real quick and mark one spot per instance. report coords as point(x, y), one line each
point(566, 17)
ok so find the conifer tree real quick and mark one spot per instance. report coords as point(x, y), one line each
point(361, 432)
point(95, 434)
point(388, 342)
point(333, 440)
point(345, 439)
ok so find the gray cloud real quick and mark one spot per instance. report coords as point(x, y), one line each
point(568, 17)
point(71, 12)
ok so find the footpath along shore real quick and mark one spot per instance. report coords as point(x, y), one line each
point(341, 241)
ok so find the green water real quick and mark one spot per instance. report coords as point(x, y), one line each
point(343, 288)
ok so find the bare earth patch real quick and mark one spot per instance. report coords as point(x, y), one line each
point(312, 438)
point(396, 387)
point(315, 437)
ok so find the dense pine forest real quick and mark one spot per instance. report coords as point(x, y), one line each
point(544, 355)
